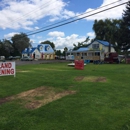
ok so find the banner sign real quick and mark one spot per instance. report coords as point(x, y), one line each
point(79, 64)
point(7, 68)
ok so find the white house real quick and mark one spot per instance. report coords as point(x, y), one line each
point(95, 50)
point(42, 51)
point(101, 45)
point(32, 52)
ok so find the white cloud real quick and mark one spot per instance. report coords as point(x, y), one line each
point(17, 14)
point(67, 14)
point(91, 34)
point(36, 28)
point(61, 42)
point(8, 36)
point(111, 14)
point(56, 34)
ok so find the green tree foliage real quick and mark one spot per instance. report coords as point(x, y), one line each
point(125, 28)
point(81, 44)
point(6, 48)
point(65, 50)
point(108, 30)
point(48, 42)
point(58, 52)
point(2, 49)
point(20, 42)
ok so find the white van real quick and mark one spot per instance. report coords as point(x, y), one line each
point(2, 57)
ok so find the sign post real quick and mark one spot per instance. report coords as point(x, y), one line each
point(7, 68)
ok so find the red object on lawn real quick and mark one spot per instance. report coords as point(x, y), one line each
point(79, 64)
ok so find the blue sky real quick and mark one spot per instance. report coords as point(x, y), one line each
point(29, 15)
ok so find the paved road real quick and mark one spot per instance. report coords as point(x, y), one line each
point(18, 62)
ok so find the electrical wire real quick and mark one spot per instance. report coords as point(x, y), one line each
point(73, 17)
point(52, 10)
point(43, 6)
point(77, 19)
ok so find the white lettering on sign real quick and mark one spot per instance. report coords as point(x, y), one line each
point(7, 68)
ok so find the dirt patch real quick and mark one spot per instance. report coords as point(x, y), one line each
point(95, 79)
point(23, 71)
point(79, 78)
point(90, 79)
point(50, 69)
point(4, 100)
point(38, 97)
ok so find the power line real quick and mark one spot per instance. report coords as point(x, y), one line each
point(52, 10)
point(74, 17)
point(25, 15)
point(77, 19)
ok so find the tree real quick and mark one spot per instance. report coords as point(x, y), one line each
point(2, 49)
point(125, 28)
point(20, 42)
point(5, 48)
point(81, 44)
point(8, 46)
point(98, 28)
point(76, 47)
point(108, 30)
point(58, 52)
point(65, 50)
point(48, 42)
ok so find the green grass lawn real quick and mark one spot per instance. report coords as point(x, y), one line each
point(95, 105)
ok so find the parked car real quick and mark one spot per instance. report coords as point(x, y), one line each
point(62, 57)
point(26, 58)
point(16, 57)
point(111, 57)
point(2, 58)
point(10, 58)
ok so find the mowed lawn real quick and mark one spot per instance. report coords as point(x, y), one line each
point(62, 98)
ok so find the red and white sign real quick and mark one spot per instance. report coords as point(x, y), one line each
point(7, 68)
point(79, 64)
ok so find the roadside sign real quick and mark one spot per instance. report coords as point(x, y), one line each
point(79, 64)
point(7, 68)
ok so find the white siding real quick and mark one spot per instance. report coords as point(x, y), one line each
point(101, 46)
point(37, 54)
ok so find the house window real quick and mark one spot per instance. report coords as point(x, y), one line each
point(95, 46)
point(78, 54)
point(85, 54)
point(97, 53)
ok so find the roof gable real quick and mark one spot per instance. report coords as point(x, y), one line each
point(46, 48)
point(42, 48)
point(105, 43)
point(29, 50)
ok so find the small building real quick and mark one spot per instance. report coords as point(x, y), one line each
point(94, 51)
point(42, 51)
point(46, 51)
point(31, 52)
